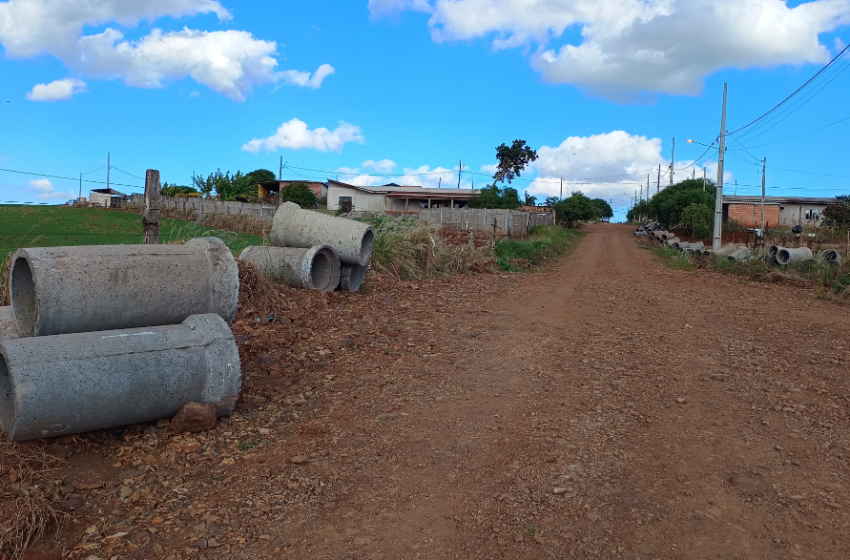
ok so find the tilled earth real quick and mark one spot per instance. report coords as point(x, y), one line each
point(606, 408)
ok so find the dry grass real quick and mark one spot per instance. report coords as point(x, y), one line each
point(26, 498)
point(5, 280)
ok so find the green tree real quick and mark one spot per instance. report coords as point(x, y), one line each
point(637, 212)
point(227, 187)
point(550, 201)
point(175, 190)
point(698, 220)
point(575, 209)
point(530, 200)
point(300, 194)
point(837, 216)
point(512, 160)
point(605, 210)
point(494, 197)
point(668, 205)
point(260, 176)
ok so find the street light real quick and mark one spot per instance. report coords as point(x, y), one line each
point(700, 143)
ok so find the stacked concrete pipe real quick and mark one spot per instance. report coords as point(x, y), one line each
point(58, 385)
point(294, 227)
point(61, 290)
point(314, 268)
point(785, 256)
point(351, 277)
point(739, 254)
point(830, 256)
point(98, 337)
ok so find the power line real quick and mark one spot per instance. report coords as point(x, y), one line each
point(75, 179)
point(798, 90)
point(801, 134)
point(125, 173)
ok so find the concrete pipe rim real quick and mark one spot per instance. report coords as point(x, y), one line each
point(783, 256)
point(7, 397)
point(23, 295)
point(324, 268)
point(366, 246)
point(356, 275)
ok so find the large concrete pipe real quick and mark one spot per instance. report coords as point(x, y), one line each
point(725, 250)
point(640, 233)
point(314, 268)
point(670, 241)
point(294, 227)
point(830, 256)
point(699, 245)
point(351, 277)
point(681, 245)
point(58, 385)
point(739, 254)
point(787, 256)
point(771, 252)
point(667, 236)
point(8, 329)
point(63, 290)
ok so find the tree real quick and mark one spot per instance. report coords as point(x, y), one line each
point(837, 216)
point(512, 160)
point(260, 176)
point(605, 210)
point(638, 211)
point(668, 205)
point(550, 201)
point(698, 220)
point(577, 208)
point(494, 197)
point(174, 190)
point(530, 200)
point(227, 187)
point(300, 194)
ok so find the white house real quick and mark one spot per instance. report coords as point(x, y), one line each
point(395, 199)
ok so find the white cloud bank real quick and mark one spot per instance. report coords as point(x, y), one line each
point(294, 135)
point(633, 48)
point(56, 91)
point(230, 62)
point(45, 190)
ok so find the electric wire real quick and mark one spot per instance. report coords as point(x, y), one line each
point(130, 174)
point(801, 134)
point(75, 179)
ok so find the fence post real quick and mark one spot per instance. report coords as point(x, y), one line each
point(150, 219)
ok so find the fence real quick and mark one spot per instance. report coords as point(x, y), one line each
point(202, 206)
point(455, 224)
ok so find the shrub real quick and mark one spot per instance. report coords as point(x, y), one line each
point(300, 194)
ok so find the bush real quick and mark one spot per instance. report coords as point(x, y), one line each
point(494, 197)
point(577, 208)
point(668, 205)
point(698, 220)
point(300, 194)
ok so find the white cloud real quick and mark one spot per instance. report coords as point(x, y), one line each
point(383, 166)
point(56, 91)
point(295, 135)
point(839, 44)
point(632, 48)
point(381, 8)
point(423, 176)
point(489, 169)
point(230, 62)
point(45, 190)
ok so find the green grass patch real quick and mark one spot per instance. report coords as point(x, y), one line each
point(674, 258)
point(543, 242)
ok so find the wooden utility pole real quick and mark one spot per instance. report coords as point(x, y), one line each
point(562, 189)
point(672, 161)
point(763, 173)
point(658, 184)
point(150, 219)
point(718, 197)
point(459, 169)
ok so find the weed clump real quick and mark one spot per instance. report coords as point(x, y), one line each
point(544, 241)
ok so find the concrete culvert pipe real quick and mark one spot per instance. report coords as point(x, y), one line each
point(699, 245)
point(681, 245)
point(63, 290)
point(671, 241)
point(771, 252)
point(58, 385)
point(787, 256)
point(640, 234)
point(739, 254)
point(351, 277)
point(7, 324)
point(725, 250)
point(294, 227)
point(314, 268)
point(830, 256)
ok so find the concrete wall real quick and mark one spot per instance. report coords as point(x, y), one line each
point(103, 200)
point(749, 215)
point(793, 214)
point(208, 206)
point(454, 223)
point(360, 201)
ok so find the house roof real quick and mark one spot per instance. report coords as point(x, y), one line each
point(276, 183)
point(112, 192)
point(774, 200)
point(396, 191)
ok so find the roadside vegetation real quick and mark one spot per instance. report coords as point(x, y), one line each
point(544, 242)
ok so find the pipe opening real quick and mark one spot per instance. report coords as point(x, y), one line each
point(356, 275)
point(783, 256)
point(366, 246)
point(6, 396)
point(322, 271)
point(23, 297)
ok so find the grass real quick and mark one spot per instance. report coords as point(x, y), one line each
point(53, 226)
point(543, 242)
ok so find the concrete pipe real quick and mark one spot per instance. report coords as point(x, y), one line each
point(667, 236)
point(8, 329)
point(58, 385)
point(640, 234)
point(314, 268)
point(771, 252)
point(830, 256)
point(670, 241)
point(63, 290)
point(351, 277)
point(681, 245)
point(787, 256)
point(725, 250)
point(294, 227)
point(699, 245)
point(740, 254)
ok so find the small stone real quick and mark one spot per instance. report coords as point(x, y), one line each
point(593, 516)
point(298, 460)
point(346, 342)
point(559, 491)
point(680, 400)
point(194, 417)
point(387, 417)
point(778, 448)
point(714, 511)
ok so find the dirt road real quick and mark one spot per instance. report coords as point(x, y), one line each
point(608, 408)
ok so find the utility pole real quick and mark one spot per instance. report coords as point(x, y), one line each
point(763, 173)
point(658, 185)
point(108, 167)
point(562, 189)
point(694, 173)
point(718, 197)
point(703, 179)
point(736, 187)
point(647, 187)
point(81, 188)
point(280, 173)
point(672, 161)
point(459, 169)
point(150, 218)
point(440, 184)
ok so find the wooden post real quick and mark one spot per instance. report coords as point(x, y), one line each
point(495, 225)
point(150, 219)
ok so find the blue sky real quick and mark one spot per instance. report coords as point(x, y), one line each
point(360, 90)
